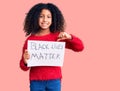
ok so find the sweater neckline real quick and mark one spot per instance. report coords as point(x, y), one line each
point(41, 35)
point(46, 35)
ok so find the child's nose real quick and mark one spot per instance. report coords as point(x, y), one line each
point(45, 19)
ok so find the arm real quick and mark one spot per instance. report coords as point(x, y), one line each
point(75, 44)
point(72, 42)
point(23, 64)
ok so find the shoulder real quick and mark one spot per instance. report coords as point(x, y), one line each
point(55, 35)
point(26, 41)
point(30, 37)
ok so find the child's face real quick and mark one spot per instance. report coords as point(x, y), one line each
point(45, 19)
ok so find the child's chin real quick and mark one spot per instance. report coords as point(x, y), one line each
point(44, 28)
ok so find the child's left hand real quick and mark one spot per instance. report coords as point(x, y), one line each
point(64, 36)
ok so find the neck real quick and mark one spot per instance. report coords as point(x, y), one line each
point(43, 32)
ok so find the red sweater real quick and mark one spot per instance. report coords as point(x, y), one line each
point(49, 72)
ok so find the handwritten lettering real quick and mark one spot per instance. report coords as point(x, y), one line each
point(44, 56)
point(35, 46)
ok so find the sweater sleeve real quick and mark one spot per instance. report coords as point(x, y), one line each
point(23, 66)
point(75, 44)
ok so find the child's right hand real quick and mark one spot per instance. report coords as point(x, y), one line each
point(26, 56)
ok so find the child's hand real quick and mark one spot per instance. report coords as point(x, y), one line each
point(26, 56)
point(63, 36)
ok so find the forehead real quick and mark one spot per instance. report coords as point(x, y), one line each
point(45, 11)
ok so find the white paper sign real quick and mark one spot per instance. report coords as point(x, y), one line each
point(45, 53)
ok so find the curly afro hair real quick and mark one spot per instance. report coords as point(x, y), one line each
point(31, 22)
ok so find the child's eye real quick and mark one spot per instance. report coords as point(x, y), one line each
point(41, 16)
point(49, 16)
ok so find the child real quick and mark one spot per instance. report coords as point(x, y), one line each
point(45, 22)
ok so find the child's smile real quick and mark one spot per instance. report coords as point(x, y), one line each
point(44, 24)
